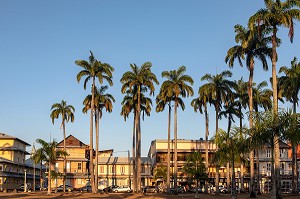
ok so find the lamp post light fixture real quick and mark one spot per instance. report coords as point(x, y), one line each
point(25, 184)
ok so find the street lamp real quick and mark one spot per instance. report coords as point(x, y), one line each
point(25, 184)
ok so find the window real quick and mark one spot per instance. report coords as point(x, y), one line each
point(17, 159)
point(268, 153)
point(79, 166)
point(143, 169)
point(122, 169)
point(281, 153)
point(1, 167)
point(68, 166)
point(268, 167)
point(101, 169)
point(112, 169)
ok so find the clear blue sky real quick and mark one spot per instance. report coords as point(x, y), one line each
point(40, 41)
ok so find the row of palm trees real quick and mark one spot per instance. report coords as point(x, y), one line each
point(252, 43)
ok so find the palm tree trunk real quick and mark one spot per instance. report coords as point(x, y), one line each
point(92, 182)
point(206, 146)
point(65, 157)
point(251, 155)
point(217, 135)
point(138, 155)
point(134, 178)
point(139, 182)
point(175, 147)
point(97, 122)
point(233, 187)
point(258, 172)
point(228, 175)
point(49, 179)
point(168, 155)
point(41, 175)
point(294, 160)
point(277, 184)
point(242, 164)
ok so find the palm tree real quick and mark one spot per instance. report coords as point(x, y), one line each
point(250, 47)
point(160, 173)
point(199, 103)
point(161, 101)
point(38, 157)
point(276, 14)
point(51, 154)
point(139, 78)
point(231, 147)
point(290, 83)
point(176, 85)
point(93, 69)
point(67, 114)
point(102, 100)
point(261, 99)
point(129, 104)
point(219, 88)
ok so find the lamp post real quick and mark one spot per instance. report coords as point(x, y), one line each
point(25, 184)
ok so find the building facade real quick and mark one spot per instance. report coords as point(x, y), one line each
point(14, 169)
point(158, 155)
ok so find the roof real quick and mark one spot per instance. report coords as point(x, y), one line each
point(71, 142)
point(4, 136)
point(29, 163)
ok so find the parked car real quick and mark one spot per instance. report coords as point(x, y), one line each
point(109, 189)
point(28, 187)
point(180, 189)
point(123, 188)
point(150, 189)
point(61, 188)
point(86, 188)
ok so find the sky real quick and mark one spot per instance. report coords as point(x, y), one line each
point(41, 40)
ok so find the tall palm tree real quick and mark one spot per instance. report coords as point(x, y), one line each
point(139, 77)
point(102, 101)
point(291, 87)
point(219, 88)
point(274, 15)
point(92, 70)
point(250, 46)
point(200, 103)
point(262, 96)
point(51, 154)
point(161, 102)
point(177, 85)
point(129, 104)
point(67, 114)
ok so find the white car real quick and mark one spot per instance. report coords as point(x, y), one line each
point(123, 188)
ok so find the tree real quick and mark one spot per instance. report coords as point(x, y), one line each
point(51, 154)
point(290, 82)
point(199, 103)
point(129, 104)
point(161, 101)
point(276, 14)
point(219, 88)
point(92, 70)
point(176, 85)
point(38, 157)
point(102, 101)
point(160, 173)
point(195, 168)
point(250, 46)
point(139, 78)
point(67, 114)
point(231, 147)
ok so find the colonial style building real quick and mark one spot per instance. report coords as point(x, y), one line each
point(77, 173)
point(14, 171)
point(111, 170)
point(158, 155)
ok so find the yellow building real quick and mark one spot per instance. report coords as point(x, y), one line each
point(77, 163)
point(12, 162)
